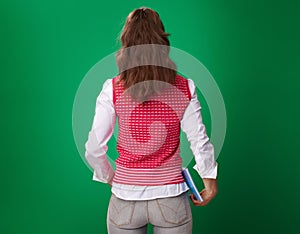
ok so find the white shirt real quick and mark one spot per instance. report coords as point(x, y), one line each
point(102, 130)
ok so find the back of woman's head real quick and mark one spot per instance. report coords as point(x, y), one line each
point(144, 26)
point(144, 55)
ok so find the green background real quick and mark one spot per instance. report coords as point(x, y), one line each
point(250, 47)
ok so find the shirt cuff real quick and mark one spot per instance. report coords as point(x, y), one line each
point(208, 174)
point(99, 177)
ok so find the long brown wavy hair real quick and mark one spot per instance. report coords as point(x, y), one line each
point(144, 54)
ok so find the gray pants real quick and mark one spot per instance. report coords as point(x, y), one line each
point(170, 215)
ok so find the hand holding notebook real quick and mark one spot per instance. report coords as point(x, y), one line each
point(189, 181)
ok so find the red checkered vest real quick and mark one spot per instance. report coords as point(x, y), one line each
point(149, 135)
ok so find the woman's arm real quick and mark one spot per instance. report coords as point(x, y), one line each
point(99, 135)
point(203, 150)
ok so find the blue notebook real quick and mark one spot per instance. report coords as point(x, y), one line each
point(189, 181)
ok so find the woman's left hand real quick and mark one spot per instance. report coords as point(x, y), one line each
point(208, 193)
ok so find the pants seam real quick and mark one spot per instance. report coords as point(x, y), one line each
point(147, 211)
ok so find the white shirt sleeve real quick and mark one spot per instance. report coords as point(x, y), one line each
point(99, 135)
point(195, 130)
